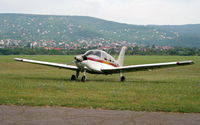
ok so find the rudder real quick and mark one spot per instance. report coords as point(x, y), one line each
point(120, 59)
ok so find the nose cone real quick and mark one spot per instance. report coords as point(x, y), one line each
point(78, 58)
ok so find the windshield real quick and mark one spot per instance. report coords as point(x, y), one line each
point(93, 52)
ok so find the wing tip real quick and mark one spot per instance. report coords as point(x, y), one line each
point(185, 62)
point(18, 59)
point(192, 62)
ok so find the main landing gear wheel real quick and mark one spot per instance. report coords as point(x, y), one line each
point(122, 78)
point(73, 78)
point(83, 79)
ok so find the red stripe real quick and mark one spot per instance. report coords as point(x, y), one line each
point(102, 61)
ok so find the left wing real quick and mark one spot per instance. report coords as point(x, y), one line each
point(133, 68)
point(48, 63)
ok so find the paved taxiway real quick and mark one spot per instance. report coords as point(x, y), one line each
point(27, 115)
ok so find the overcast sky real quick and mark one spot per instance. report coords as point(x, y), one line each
point(143, 12)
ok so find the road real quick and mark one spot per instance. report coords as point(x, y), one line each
point(28, 115)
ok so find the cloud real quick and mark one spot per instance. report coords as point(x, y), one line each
point(154, 12)
point(126, 11)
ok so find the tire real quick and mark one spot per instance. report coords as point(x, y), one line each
point(73, 78)
point(122, 78)
point(83, 79)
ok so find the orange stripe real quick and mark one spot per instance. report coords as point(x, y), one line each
point(102, 61)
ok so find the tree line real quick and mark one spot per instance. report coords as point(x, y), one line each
point(131, 51)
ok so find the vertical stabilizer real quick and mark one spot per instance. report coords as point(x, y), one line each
point(120, 59)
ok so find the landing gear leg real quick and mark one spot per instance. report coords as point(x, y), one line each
point(83, 79)
point(122, 77)
point(77, 74)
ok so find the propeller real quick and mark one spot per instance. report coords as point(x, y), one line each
point(78, 58)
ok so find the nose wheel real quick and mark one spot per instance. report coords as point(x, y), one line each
point(83, 79)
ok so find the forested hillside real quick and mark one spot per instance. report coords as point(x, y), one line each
point(28, 28)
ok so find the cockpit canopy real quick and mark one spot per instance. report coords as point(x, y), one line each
point(94, 53)
point(99, 54)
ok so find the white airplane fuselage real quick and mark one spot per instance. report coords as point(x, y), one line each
point(94, 66)
point(93, 61)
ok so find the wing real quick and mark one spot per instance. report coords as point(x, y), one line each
point(133, 68)
point(48, 63)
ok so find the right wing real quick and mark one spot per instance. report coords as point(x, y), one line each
point(133, 68)
point(48, 63)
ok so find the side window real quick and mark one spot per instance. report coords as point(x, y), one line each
point(112, 59)
point(109, 58)
point(104, 56)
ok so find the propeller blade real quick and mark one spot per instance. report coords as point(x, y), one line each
point(70, 63)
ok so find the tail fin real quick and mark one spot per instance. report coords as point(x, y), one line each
point(120, 59)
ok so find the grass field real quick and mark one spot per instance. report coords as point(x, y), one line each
point(171, 89)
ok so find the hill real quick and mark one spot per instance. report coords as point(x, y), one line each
point(27, 28)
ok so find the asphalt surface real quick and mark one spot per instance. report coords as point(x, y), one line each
point(27, 115)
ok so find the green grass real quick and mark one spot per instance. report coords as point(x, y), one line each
point(172, 89)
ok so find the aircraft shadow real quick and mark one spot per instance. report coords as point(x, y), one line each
point(127, 81)
point(41, 78)
point(88, 80)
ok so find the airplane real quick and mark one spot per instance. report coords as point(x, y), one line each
point(99, 62)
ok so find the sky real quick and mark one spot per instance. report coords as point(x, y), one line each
point(140, 12)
